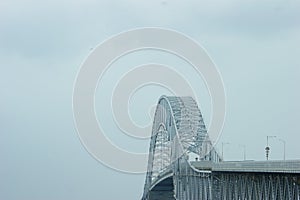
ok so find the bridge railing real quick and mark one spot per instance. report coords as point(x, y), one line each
point(289, 166)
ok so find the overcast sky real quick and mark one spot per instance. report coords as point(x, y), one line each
point(255, 45)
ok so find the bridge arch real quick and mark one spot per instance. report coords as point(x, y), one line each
point(178, 130)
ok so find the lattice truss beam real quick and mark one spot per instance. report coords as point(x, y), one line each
point(255, 186)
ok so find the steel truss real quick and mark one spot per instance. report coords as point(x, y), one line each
point(255, 186)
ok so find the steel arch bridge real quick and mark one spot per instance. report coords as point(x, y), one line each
point(179, 136)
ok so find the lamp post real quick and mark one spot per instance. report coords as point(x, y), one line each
point(267, 147)
point(244, 148)
point(223, 143)
point(283, 141)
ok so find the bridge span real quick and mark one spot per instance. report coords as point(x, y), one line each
point(278, 166)
point(179, 132)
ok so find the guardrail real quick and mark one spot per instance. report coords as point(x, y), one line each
point(288, 166)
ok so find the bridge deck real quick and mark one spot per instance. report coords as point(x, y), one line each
point(288, 166)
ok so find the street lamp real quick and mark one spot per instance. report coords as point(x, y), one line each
point(244, 147)
point(223, 143)
point(267, 147)
point(281, 140)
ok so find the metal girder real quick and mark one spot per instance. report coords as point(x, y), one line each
point(235, 186)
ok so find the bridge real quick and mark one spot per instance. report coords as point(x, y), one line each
point(183, 164)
